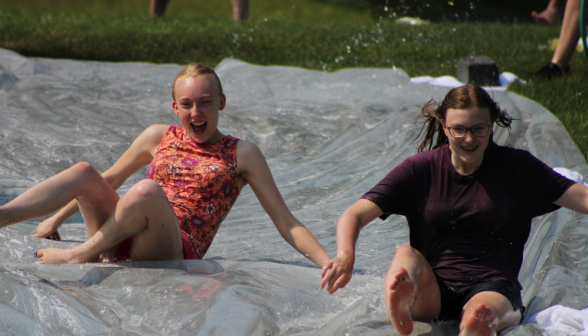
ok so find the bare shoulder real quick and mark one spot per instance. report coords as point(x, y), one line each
point(248, 156)
point(153, 135)
point(156, 131)
point(247, 148)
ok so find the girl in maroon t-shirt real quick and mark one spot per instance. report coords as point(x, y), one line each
point(469, 205)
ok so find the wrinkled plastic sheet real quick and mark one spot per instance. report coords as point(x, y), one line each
point(328, 137)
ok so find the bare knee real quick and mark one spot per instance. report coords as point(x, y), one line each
point(84, 170)
point(145, 203)
point(86, 177)
point(408, 257)
point(407, 251)
point(83, 167)
point(495, 307)
point(146, 190)
point(418, 269)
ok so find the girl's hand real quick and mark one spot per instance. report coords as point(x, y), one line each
point(47, 227)
point(337, 272)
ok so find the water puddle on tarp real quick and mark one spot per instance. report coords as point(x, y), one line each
point(328, 138)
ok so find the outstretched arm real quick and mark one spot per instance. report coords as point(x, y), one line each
point(575, 198)
point(253, 169)
point(337, 272)
point(139, 154)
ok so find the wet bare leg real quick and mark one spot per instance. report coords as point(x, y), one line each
point(143, 212)
point(552, 14)
point(410, 290)
point(94, 195)
point(487, 313)
point(81, 182)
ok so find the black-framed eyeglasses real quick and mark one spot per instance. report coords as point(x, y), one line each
point(460, 132)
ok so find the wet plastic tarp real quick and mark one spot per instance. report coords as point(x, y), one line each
point(328, 137)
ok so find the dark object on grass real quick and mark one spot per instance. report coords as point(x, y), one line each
point(480, 70)
point(157, 8)
point(54, 236)
point(240, 9)
point(550, 70)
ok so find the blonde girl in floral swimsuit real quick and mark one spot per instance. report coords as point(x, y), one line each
point(194, 178)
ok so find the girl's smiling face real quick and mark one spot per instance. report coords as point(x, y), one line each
point(467, 153)
point(197, 103)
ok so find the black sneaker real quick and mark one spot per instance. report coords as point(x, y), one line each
point(550, 70)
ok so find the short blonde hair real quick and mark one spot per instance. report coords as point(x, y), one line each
point(194, 70)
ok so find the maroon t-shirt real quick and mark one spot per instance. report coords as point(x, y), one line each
point(470, 228)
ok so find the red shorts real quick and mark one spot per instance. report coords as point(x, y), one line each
point(124, 250)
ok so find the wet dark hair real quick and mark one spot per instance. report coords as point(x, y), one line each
point(196, 70)
point(460, 98)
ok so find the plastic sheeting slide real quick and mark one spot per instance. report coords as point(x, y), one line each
point(328, 137)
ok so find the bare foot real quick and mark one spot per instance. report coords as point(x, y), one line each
point(399, 296)
point(548, 16)
point(480, 322)
point(55, 256)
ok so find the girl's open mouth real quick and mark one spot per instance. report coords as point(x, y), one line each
point(199, 128)
point(469, 149)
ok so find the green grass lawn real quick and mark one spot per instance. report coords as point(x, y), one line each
point(316, 34)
